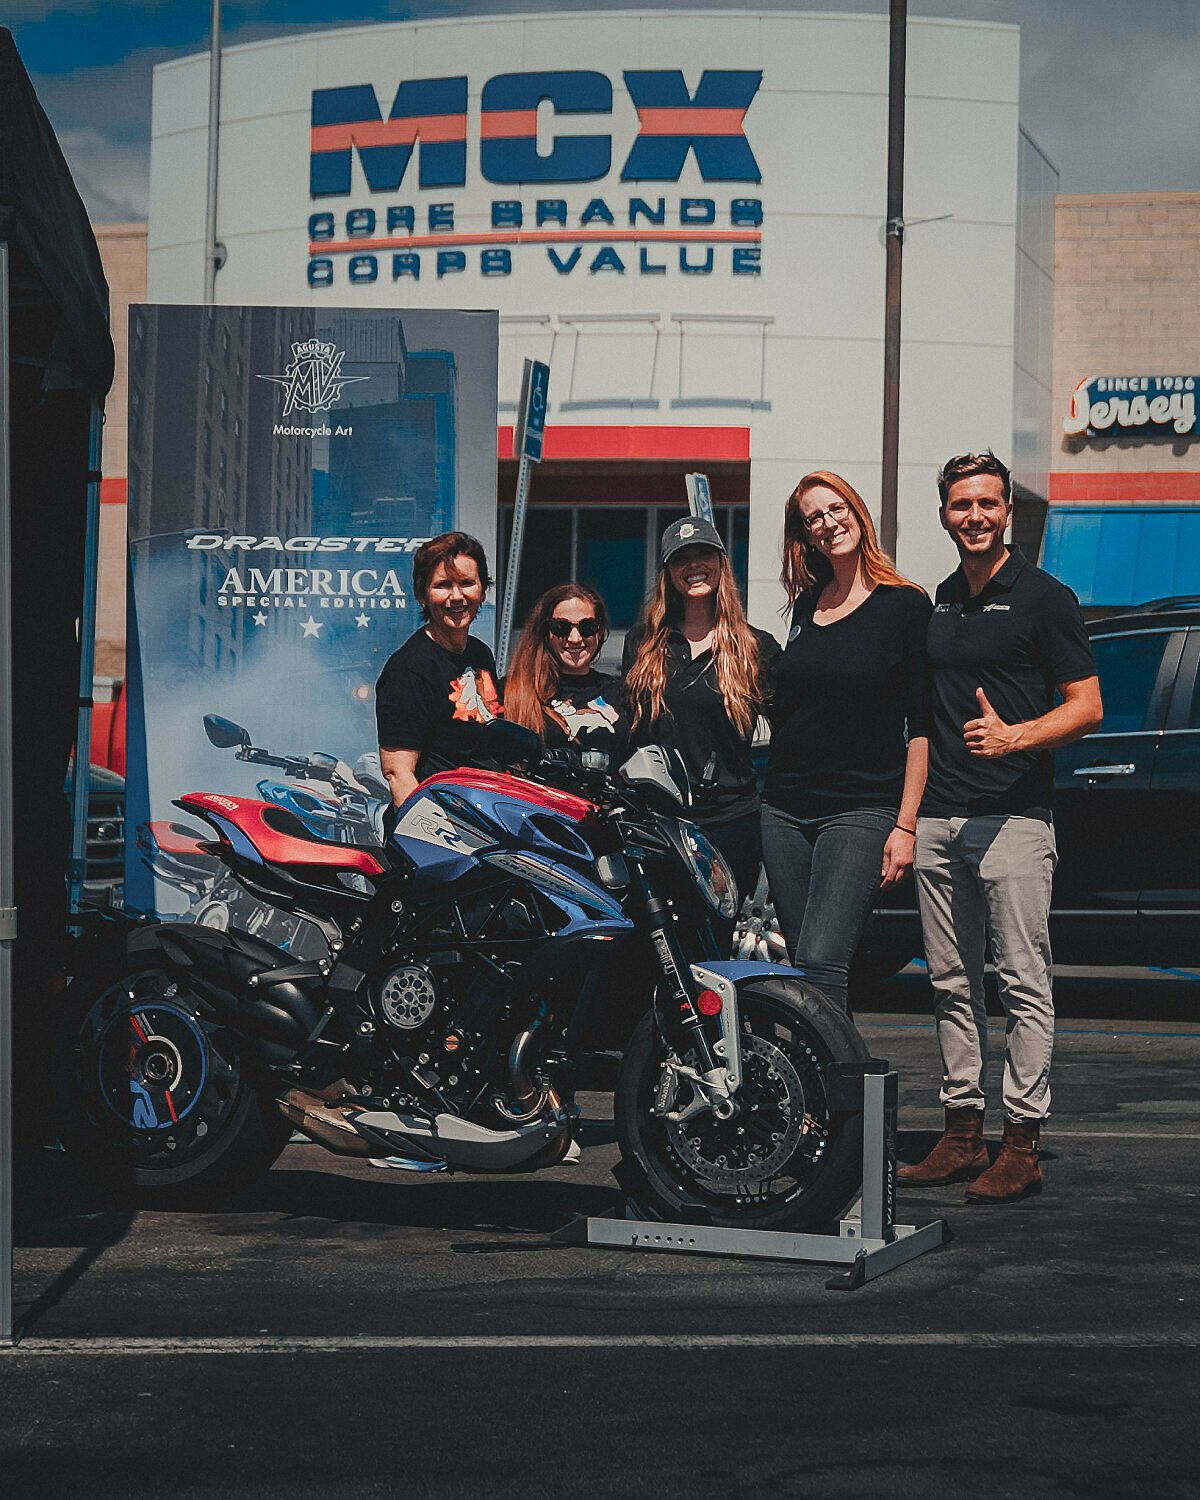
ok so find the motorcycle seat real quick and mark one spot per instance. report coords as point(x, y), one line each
point(279, 837)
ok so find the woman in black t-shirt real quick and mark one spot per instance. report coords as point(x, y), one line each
point(553, 687)
point(849, 730)
point(439, 689)
point(697, 678)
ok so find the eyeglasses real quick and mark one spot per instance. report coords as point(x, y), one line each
point(832, 515)
point(561, 629)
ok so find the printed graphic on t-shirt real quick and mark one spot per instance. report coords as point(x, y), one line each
point(577, 718)
point(475, 697)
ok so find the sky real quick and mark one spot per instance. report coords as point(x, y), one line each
point(1110, 89)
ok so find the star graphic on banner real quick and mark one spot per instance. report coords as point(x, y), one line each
point(362, 622)
point(260, 618)
point(312, 627)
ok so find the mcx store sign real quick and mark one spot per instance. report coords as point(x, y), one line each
point(579, 231)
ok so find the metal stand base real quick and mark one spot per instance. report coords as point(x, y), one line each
point(869, 1241)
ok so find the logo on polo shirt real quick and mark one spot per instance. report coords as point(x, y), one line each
point(986, 607)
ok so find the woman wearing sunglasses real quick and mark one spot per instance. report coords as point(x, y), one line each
point(553, 687)
point(697, 678)
point(849, 742)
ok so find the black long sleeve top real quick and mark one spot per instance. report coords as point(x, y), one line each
point(848, 696)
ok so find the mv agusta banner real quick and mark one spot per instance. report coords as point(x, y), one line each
point(284, 466)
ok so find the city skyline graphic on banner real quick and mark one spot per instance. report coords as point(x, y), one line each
point(284, 466)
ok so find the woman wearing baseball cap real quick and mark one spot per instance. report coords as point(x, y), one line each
point(697, 678)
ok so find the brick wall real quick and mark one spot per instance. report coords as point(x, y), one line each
point(1126, 302)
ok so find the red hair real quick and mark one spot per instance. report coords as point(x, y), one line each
point(805, 568)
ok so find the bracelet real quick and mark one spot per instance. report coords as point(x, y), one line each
point(912, 832)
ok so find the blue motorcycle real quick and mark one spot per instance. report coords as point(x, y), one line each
point(511, 923)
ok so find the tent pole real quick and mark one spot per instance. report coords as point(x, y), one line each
point(87, 665)
point(8, 912)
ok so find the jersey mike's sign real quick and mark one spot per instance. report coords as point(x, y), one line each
point(525, 141)
point(1139, 404)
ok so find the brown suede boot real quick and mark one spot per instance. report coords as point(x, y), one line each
point(958, 1156)
point(1016, 1172)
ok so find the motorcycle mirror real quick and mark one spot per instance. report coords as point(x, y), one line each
point(510, 742)
point(323, 759)
point(595, 760)
point(224, 733)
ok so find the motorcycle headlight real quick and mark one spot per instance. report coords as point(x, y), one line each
point(709, 870)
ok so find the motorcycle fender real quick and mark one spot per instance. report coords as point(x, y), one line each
point(279, 1019)
point(724, 976)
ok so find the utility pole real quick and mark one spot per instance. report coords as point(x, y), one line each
point(214, 253)
point(894, 240)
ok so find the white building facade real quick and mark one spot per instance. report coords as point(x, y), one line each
point(683, 213)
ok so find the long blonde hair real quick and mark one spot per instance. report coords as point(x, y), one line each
point(734, 650)
point(533, 678)
point(805, 568)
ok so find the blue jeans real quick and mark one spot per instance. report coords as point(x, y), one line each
point(824, 873)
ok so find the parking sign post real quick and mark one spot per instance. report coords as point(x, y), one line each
point(528, 439)
point(700, 497)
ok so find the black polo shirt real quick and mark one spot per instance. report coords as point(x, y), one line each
point(1017, 639)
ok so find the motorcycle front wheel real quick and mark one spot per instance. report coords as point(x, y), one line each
point(160, 1100)
point(785, 1160)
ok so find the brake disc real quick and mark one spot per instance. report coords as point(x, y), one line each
point(759, 1141)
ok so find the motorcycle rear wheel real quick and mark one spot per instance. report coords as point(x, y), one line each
point(785, 1161)
point(161, 1101)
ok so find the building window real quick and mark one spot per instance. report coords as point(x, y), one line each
point(614, 549)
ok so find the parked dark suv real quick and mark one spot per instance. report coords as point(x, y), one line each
point(1126, 811)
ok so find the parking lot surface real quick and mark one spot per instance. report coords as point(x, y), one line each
point(342, 1327)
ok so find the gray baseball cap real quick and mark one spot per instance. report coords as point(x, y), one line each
point(691, 531)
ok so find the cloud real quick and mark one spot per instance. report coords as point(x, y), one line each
point(102, 119)
point(1108, 88)
point(113, 178)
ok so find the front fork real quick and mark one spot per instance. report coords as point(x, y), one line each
point(715, 1081)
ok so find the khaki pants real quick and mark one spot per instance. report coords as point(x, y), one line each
point(980, 877)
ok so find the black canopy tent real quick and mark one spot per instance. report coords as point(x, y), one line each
point(56, 365)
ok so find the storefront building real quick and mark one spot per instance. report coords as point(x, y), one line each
point(1124, 520)
point(682, 213)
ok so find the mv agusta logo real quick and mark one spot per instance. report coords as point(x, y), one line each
point(313, 381)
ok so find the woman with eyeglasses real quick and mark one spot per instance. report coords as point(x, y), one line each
point(553, 687)
point(697, 678)
point(850, 730)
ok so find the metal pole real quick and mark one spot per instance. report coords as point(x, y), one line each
point(895, 253)
point(512, 574)
point(214, 253)
point(87, 666)
point(8, 912)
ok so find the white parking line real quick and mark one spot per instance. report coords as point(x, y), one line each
point(389, 1343)
point(918, 1122)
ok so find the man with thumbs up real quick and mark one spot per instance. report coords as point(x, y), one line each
point(1004, 637)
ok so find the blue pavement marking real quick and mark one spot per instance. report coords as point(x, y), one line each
point(1179, 973)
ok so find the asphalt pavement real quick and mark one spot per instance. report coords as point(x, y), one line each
point(346, 1329)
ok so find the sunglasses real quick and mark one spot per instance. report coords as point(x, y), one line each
point(561, 629)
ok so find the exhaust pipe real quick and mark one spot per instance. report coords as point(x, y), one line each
point(315, 1116)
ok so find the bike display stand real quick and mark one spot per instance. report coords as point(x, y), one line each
point(869, 1241)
